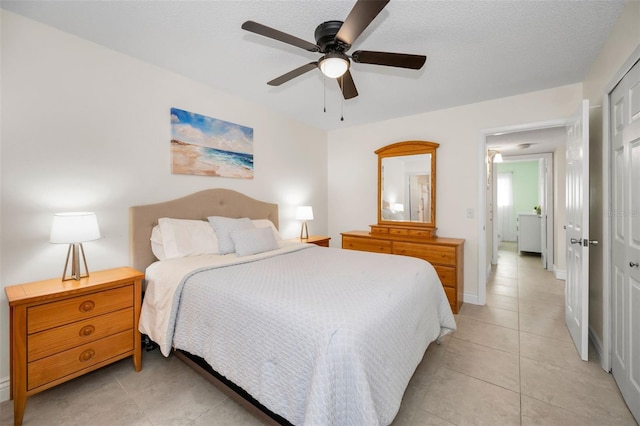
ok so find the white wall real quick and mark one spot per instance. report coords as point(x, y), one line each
point(87, 128)
point(353, 164)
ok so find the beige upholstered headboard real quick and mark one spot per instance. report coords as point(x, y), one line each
point(200, 205)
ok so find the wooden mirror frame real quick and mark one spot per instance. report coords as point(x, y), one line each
point(403, 149)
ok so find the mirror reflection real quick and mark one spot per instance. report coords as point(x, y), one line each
point(406, 188)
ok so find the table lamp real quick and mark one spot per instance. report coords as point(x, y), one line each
point(304, 213)
point(74, 229)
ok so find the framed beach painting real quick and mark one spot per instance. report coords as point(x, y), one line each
point(206, 146)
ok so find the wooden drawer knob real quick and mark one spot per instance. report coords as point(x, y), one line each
point(87, 330)
point(87, 306)
point(87, 355)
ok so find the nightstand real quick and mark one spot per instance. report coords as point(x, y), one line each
point(60, 330)
point(313, 239)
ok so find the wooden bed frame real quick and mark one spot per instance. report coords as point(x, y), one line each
point(200, 205)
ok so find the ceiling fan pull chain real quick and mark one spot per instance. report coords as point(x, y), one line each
point(324, 93)
point(342, 99)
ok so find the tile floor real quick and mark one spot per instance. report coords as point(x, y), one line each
point(511, 362)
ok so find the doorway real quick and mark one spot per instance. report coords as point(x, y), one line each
point(524, 142)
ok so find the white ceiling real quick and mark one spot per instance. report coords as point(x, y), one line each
point(528, 142)
point(476, 50)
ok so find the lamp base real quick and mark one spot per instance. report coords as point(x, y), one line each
point(75, 250)
point(304, 231)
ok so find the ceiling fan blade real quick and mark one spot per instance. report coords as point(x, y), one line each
point(293, 74)
point(263, 30)
point(401, 60)
point(363, 12)
point(347, 85)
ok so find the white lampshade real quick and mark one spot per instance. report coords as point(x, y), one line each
point(77, 227)
point(304, 213)
point(334, 66)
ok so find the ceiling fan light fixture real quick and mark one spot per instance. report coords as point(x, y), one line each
point(334, 65)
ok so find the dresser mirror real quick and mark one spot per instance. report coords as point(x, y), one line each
point(407, 184)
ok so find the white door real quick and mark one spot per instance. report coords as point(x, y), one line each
point(625, 240)
point(577, 203)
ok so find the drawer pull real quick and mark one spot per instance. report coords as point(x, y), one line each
point(86, 355)
point(87, 306)
point(87, 330)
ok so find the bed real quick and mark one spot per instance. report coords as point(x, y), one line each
point(309, 335)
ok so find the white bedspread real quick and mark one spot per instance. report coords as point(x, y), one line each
point(319, 336)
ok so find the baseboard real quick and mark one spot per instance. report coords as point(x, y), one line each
point(470, 298)
point(4, 389)
point(597, 345)
point(560, 274)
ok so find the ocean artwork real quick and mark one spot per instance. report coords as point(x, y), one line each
point(206, 146)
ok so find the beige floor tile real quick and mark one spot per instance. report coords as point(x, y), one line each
point(410, 405)
point(496, 316)
point(227, 413)
point(596, 398)
point(560, 353)
point(502, 302)
point(503, 290)
point(547, 327)
point(484, 363)
point(503, 281)
point(538, 413)
point(542, 297)
point(483, 333)
point(464, 400)
point(424, 418)
point(541, 310)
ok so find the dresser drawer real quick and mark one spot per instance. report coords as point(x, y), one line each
point(451, 296)
point(49, 342)
point(436, 254)
point(53, 314)
point(366, 244)
point(447, 275)
point(74, 360)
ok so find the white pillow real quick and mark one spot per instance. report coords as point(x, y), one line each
point(253, 241)
point(224, 226)
point(266, 223)
point(183, 237)
point(156, 243)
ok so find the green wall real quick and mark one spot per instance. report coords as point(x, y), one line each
point(525, 185)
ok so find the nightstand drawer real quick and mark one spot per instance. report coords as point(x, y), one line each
point(77, 359)
point(53, 314)
point(52, 341)
point(366, 244)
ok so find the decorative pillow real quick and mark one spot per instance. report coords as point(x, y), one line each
point(183, 237)
point(253, 240)
point(266, 223)
point(156, 243)
point(224, 226)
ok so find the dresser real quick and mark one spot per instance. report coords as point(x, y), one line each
point(60, 330)
point(445, 254)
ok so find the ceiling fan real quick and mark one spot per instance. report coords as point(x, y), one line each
point(334, 39)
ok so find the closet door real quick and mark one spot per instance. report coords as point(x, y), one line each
point(625, 259)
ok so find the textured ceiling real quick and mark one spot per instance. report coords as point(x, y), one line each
point(476, 50)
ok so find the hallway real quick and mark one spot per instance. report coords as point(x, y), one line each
point(513, 361)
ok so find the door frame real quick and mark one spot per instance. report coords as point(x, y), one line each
point(484, 270)
point(607, 311)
